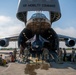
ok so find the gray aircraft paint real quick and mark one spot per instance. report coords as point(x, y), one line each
point(38, 5)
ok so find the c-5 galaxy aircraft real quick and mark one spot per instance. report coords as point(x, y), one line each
point(38, 35)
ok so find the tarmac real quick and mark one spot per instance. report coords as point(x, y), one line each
point(67, 68)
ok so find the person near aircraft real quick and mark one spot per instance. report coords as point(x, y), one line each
point(73, 55)
point(64, 55)
point(60, 57)
point(1, 60)
point(45, 54)
point(14, 54)
point(26, 54)
point(21, 51)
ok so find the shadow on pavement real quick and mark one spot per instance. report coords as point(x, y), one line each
point(64, 65)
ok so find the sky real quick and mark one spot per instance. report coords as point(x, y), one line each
point(10, 25)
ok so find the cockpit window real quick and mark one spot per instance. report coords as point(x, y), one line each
point(34, 16)
point(44, 14)
point(39, 15)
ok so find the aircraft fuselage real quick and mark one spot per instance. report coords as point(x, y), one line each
point(38, 23)
point(39, 34)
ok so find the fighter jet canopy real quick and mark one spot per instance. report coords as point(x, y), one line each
point(39, 5)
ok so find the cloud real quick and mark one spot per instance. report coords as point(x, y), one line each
point(4, 19)
point(10, 26)
point(70, 31)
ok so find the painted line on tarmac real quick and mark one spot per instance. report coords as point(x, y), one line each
point(6, 68)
